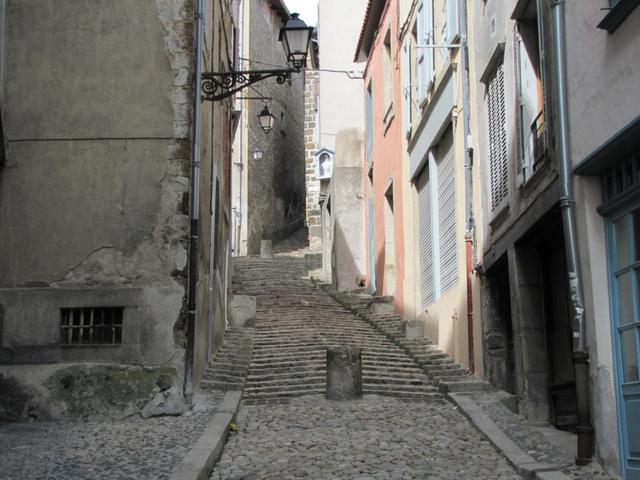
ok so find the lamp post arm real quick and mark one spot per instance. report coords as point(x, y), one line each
point(219, 85)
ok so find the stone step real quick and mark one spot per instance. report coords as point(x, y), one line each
point(288, 382)
point(396, 381)
point(225, 386)
point(393, 372)
point(221, 376)
point(428, 369)
point(283, 375)
point(454, 372)
point(436, 361)
point(288, 363)
point(284, 390)
point(467, 385)
point(398, 390)
point(228, 366)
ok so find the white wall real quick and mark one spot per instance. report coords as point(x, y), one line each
point(338, 32)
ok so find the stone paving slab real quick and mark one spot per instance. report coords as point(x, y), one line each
point(132, 448)
point(528, 440)
point(199, 461)
point(379, 438)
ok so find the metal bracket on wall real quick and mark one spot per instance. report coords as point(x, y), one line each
point(218, 85)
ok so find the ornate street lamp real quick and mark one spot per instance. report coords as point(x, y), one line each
point(257, 155)
point(295, 37)
point(265, 117)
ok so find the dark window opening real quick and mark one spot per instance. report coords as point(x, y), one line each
point(91, 325)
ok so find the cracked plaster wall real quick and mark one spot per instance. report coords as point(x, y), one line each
point(94, 192)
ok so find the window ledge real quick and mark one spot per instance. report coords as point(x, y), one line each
point(534, 179)
point(501, 214)
point(617, 14)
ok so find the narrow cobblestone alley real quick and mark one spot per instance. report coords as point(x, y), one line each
point(402, 428)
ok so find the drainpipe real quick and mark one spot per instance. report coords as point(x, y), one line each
point(468, 171)
point(194, 210)
point(580, 351)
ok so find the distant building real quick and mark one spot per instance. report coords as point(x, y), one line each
point(269, 193)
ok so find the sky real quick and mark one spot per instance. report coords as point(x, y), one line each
point(308, 10)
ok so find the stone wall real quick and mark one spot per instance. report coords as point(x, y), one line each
point(94, 192)
point(313, 214)
point(275, 183)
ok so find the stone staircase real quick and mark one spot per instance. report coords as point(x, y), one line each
point(296, 322)
point(438, 365)
point(229, 366)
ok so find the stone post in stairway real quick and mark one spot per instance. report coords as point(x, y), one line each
point(266, 249)
point(344, 373)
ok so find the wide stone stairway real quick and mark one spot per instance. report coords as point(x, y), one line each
point(295, 323)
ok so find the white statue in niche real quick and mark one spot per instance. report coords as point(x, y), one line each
point(324, 166)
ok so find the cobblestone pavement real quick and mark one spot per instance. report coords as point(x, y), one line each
point(132, 448)
point(373, 438)
point(531, 439)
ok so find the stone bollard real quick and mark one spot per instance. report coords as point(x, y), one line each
point(344, 373)
point(242, 310)
point(414, 329)
point(266, 249)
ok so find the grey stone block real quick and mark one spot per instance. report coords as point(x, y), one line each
point(344, 373)
point(242, 309)
point(167, 402)
point(266, 249)
point(554, 475)
point(415, 329)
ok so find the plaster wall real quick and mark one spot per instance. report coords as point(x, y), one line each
point(446, 318)
point(96, 115)
point(337, 37)
point(386, 164)
point(604, 73)
point(94, 194)
point(494, 29)
point(347, 212)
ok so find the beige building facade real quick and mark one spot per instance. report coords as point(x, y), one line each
point(440, 237)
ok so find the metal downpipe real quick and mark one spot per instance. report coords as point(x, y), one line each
point(194, 210)
point(580, 350)
point(468, 176)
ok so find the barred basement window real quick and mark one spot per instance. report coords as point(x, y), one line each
point(91, 325)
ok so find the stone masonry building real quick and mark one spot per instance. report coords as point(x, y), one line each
point(96, 104)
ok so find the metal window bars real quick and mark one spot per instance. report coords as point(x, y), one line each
point(91, 325)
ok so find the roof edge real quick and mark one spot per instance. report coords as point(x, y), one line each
point(372, 16)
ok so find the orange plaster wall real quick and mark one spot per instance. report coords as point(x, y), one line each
point(387, 150)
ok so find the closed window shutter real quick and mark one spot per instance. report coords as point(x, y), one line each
point(498, 174)
point(429, 39)
point(425, 240)
point(406, 86)
point(447, 215)
point(420, 61)
point(452, 21)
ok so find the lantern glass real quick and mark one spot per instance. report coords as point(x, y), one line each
point(295, 37)
point(266, 119)
point(257, 155)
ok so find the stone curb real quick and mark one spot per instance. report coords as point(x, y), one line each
point(525, 464)
point(202, 457)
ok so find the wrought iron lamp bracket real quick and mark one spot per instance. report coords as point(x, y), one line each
point(218, 85)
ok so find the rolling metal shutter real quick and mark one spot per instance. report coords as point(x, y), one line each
point(425, 240)
point(447, 213)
